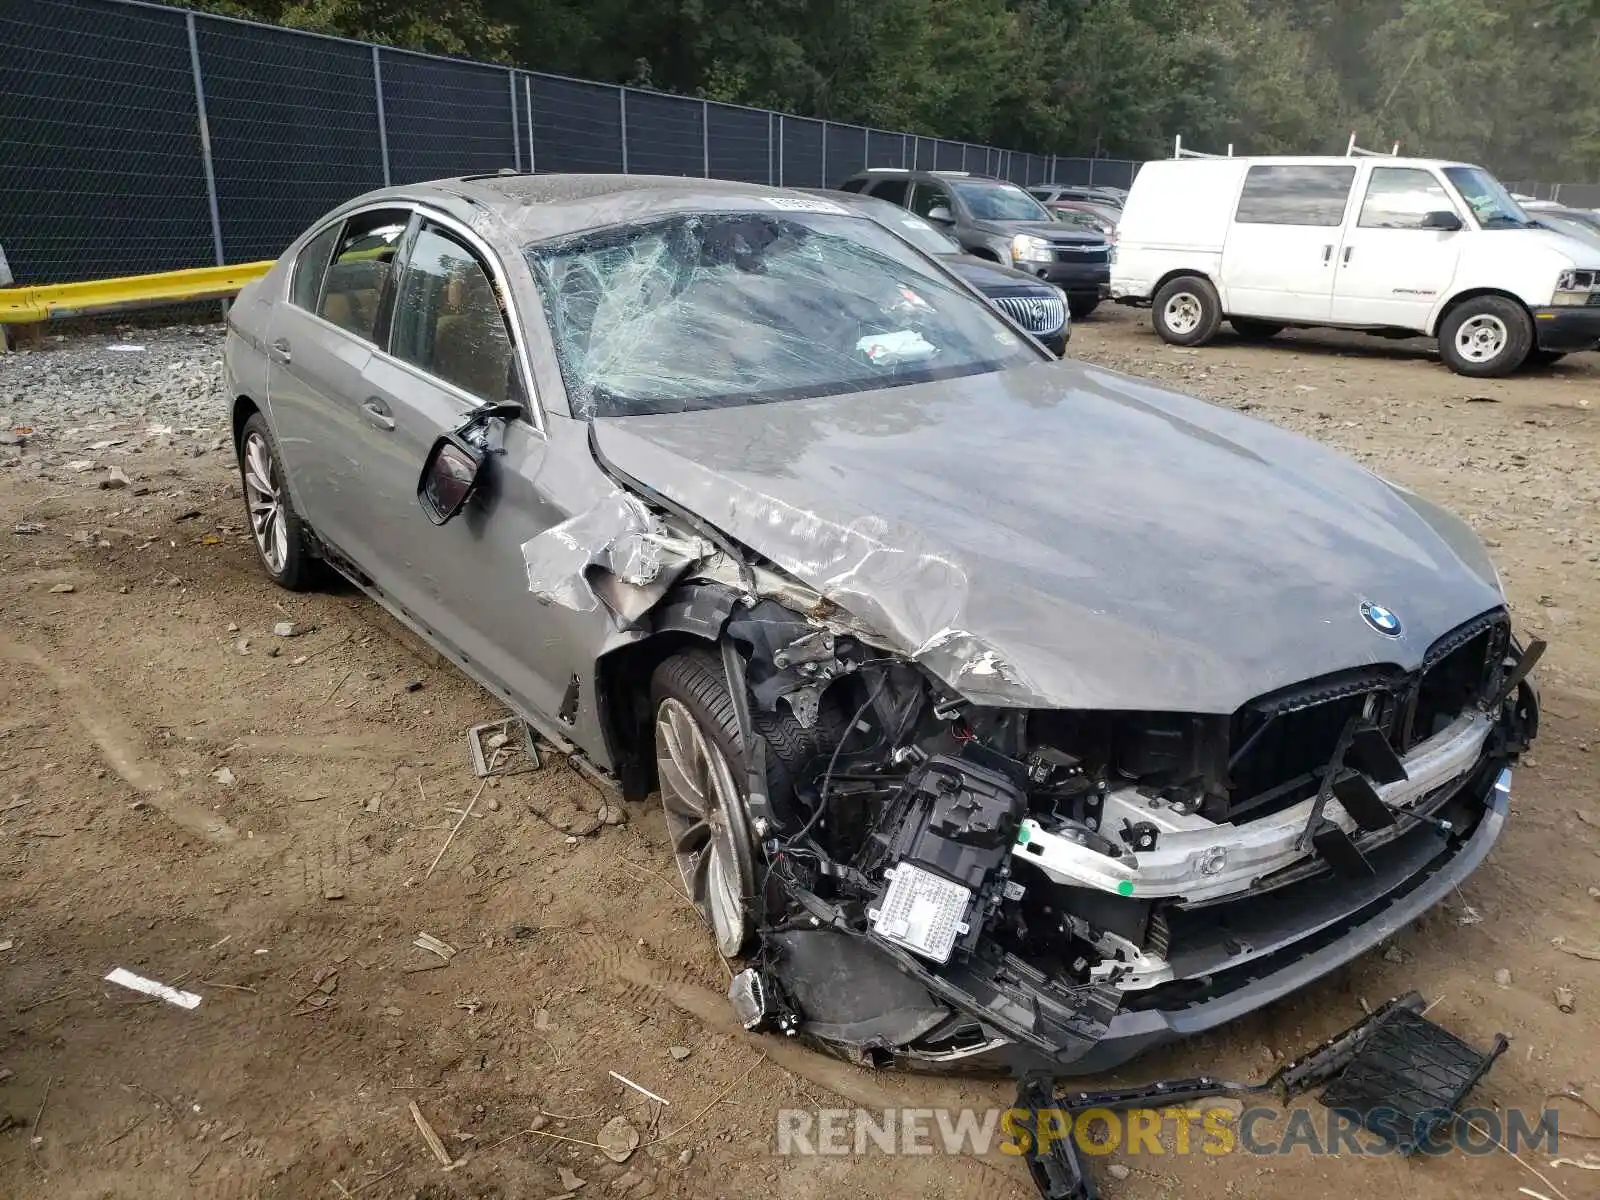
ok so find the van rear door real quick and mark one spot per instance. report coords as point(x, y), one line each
point(1278, 262)
point(1391, 270)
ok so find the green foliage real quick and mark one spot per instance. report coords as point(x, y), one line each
point(1515, 86)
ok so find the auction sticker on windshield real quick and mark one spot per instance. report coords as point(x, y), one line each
point(801, 204)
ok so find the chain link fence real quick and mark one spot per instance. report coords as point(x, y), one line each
point(136, 137)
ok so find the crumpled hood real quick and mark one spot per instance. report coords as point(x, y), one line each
point(1063, 536)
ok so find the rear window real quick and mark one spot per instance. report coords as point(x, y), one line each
point(1293, 195)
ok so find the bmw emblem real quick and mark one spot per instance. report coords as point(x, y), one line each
point(1380, 618)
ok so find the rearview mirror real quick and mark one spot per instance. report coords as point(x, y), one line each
point(941, 214)
point(449, 476)
point(1443, 220)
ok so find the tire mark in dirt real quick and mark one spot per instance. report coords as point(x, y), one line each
point(118, 743)
point(640, 978)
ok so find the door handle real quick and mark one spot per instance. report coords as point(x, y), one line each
point(1347, 250)
point(1327, 254)
point(377, 413)
point(279, 351)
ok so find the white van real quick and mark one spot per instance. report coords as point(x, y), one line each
point(1393, 246)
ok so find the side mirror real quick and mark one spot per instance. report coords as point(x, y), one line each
point(456, 462)
point(1443, 220)
point(941, 214)
point(449, 476)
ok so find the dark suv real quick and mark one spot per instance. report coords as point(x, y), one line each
point(997, 220)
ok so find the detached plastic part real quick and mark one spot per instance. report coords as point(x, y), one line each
point(1408, 1079)
point(1401, 1072)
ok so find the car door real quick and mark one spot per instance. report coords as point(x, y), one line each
point(451, 349)
point(320, 343)
point(1278, 258)
point(1391, 270)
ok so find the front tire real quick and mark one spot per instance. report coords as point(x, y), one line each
point(1187, 311)
point(1080, 309)
point(1486, 337)
point(280, 536)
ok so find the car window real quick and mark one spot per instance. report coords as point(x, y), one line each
point(990, 201)
point(1042, 194)
point(928, 197)
point(359, 273)
point(1399, 197)
point(448, 321)
point(718, 310)
point(1490, 202)
point(852, 185)
point(310, 267)
point(1293, 195)
point(892, 190)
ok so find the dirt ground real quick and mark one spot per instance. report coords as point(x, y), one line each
point(266, 822)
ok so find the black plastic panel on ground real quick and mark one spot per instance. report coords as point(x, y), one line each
point(664, 135)
point(102, 172)
point(445, 118)
point(576, 126)
point(800, 156)
point(887, 149)
point(739, 147)
point(294, 131)
point(847, 153)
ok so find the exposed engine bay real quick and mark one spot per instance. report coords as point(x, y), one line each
point(1039, 871)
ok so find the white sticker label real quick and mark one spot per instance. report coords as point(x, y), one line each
point(799, 204)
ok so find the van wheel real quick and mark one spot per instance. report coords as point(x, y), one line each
point(1186, 312)
point(1487, 336)
point(1254, 331)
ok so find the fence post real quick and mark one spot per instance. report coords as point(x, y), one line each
point(824, 175)
point(705, 137)
point(527, 104)
point(780, 151)
point(516, 138)
point(383, 120)
point(205, 143)
point(866, 147)
point(1091, 172)
point(770, 115)
point(622, 116)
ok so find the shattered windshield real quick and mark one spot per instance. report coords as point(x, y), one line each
point(1491, 203)
point(710, 310)
point(1000, 202)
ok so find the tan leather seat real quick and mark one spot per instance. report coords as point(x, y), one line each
point(470, 345)
point(351, 297)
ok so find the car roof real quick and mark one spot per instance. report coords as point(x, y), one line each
point(925, 173)
point(1322, 160)
point(523, 208)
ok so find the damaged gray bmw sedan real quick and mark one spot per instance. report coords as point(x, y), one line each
point(1004, 711)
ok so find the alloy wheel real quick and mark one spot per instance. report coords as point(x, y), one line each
point(706, 822)
point(263, 486)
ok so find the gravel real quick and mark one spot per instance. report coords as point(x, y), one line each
point(76, 403)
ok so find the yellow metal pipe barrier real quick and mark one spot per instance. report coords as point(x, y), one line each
point(21, 305)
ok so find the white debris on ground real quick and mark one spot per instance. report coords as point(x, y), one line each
point(84, 404)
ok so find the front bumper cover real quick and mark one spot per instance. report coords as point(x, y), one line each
point(1564, 330)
